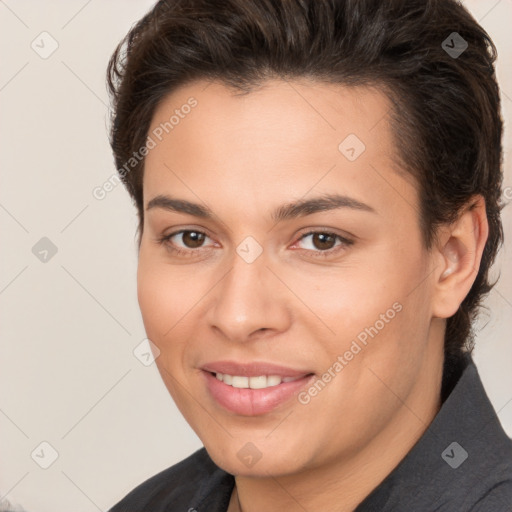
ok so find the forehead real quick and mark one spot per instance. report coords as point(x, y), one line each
point(279, 115)
point(279, 141)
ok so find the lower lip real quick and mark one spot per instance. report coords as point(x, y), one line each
point(253, 402)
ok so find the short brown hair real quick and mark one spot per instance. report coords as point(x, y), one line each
point(446, 107)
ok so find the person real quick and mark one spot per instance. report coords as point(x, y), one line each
point(318, 185)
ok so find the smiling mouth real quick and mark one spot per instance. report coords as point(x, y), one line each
point(254, 395)
point(256, 382)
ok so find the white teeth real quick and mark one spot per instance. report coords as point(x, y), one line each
point(240, 382)
point(259, 382)
point(273, 380)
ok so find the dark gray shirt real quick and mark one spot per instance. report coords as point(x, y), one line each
point(462, 463)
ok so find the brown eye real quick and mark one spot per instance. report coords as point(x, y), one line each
point(184, 241)
point(192, 239)
point(323, 244)
point(323, 241)
point(319, 240)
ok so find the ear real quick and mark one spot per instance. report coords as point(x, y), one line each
point(458, 253)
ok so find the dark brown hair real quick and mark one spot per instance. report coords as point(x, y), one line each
point(446, 107)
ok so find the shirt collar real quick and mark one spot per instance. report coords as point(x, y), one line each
point(436, 469)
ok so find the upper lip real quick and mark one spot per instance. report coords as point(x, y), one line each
point(253, 369)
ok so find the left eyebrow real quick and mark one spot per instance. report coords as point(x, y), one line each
point(288, 211)
point(324, 203)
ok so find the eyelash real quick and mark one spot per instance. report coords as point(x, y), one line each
point(165, 240)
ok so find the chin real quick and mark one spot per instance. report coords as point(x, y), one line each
point(250, 461)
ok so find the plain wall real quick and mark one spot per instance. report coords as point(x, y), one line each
point(68, 375)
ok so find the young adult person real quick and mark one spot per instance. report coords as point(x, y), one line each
point(318, 184)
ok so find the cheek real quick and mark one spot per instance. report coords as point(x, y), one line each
point(164, 304)
point(156, 300)
point(348, 301)
point(391, 343)
point(163, 297)
point(377, 309)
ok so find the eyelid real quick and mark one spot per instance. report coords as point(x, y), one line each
point(345, 241)
point(330, 231)
point(166, 237)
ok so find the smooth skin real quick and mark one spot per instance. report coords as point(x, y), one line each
point(304, 300)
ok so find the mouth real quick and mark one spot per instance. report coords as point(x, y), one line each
point(258, 382)
point(253, 389)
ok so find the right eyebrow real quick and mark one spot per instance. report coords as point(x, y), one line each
point(180, 206)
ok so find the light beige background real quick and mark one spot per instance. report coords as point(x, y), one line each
point(68, 375)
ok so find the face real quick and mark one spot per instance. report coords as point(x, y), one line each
point(281, 248)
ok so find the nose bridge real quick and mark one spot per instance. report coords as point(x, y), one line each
point(246, 300)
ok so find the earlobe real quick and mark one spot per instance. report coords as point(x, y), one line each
point(459, 253)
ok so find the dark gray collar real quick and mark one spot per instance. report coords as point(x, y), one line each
point(461, 456)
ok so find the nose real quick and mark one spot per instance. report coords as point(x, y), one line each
point(248, 301)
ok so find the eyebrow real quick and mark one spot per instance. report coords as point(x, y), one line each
point(288, 211)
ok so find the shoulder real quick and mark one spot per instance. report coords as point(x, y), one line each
point(481, 480)
point(497, 499)
point(176, 485)
point(462, 462)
